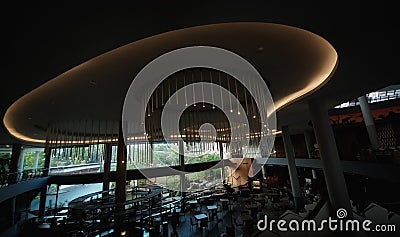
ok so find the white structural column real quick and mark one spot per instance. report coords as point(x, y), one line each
point(21, 160)
point(36, 161)
point(334, 177)
point(369, 121)
point(308, 137)
point(264, 172)
point(294, 179)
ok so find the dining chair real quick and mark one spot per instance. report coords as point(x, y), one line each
point(192, 223)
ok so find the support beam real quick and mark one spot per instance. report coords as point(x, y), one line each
point(106, 170)
point(36, 161)
point(21, 160)
point(43, 193)
point(13, 210)
point(264, 172)
point(15, 157)
point(42, 202)
point(294, 179)
point(120, 179)
point(107, 166)
point(221, 150)
point(369, 121)
point(56, 202)
point(182, 179)
point(334, 177)
point(309, 137)
point(47, 157)
point(221, 156)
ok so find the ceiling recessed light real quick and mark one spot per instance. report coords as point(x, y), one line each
point(92, 82)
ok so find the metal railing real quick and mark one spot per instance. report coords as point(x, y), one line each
point(76, 169)
point(373, 97)
point(20, 176)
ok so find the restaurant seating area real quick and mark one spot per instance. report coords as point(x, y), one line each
point(154, 211)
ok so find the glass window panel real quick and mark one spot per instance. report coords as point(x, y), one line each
point(77, 159)
point(196, 152)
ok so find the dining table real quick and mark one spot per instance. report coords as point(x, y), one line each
point(213, 210)
point(202, 219)
point(224, 202)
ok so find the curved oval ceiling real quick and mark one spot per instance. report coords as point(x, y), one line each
point(295, 62)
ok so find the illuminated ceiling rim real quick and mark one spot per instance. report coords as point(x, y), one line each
point(318, 81)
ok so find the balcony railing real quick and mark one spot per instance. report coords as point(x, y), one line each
point(374, 97)
point(20, 176)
